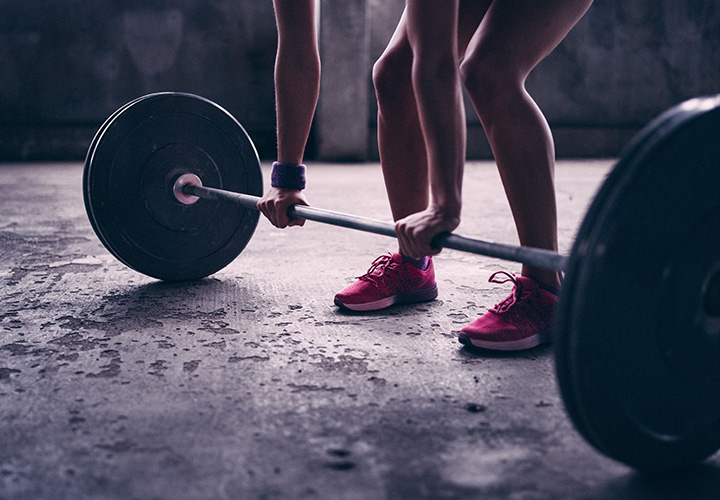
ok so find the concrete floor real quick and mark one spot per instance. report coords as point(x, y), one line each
point(250, 384)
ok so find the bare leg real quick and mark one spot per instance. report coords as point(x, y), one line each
point(400, 139)
point(513, 37)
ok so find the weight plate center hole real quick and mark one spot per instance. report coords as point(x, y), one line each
point(179, 188)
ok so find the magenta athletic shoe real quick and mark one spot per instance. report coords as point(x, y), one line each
point(522, 321)
point(389, 281)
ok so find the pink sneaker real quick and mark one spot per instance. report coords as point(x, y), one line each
point(389, 281)
point(521, 321)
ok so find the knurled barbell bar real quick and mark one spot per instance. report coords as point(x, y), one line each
point(171, 183)
point(188, 188)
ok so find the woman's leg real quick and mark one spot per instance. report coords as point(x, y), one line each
point(400, 141)
point(514, 36)
point(393, 279)
point(401, 144)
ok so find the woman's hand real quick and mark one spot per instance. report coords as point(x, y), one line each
point(416, 231)
point(275, 203)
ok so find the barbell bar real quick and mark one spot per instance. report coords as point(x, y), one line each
point(637, 338)
point(544, 259)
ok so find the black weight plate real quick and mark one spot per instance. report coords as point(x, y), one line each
point(129, 171)
point(638, 335)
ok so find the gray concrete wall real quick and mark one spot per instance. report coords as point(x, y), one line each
point(341, 126)
point(622, 65)
point(65, 65)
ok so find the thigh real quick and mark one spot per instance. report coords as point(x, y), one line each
point(431, 26)
point(518, 34)
point(399, 47)
point(470, 14)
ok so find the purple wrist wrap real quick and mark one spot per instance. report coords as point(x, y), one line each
point(287, 176)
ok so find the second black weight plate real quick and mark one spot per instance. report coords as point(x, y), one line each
point(638, 341)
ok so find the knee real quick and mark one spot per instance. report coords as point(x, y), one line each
point(488, 83)
point(392, 78)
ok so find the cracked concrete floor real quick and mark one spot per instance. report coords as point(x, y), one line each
point(250, 384)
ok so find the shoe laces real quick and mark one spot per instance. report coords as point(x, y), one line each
point(383, 268)
point(517, 295)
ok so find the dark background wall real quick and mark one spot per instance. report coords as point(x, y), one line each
point(65, 65)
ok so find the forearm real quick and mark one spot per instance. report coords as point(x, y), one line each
point(443, 121)
point(297, 76)
point(432, 32)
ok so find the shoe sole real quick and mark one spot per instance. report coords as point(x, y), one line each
point(512, 345)
point(424, 295)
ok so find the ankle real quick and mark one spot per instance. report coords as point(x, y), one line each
point(548, 280)
point(421, 264)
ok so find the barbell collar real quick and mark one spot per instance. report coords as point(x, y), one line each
point(535, 257)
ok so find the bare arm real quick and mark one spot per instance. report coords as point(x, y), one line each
point(297, 85)
point(432, 31)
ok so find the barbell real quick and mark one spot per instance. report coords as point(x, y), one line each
point(171, 182)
